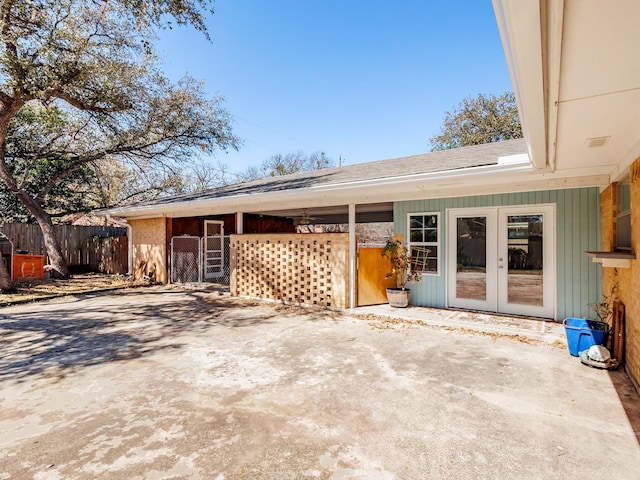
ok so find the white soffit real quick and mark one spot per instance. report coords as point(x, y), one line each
point(600, 84)
point(615, 116)
point(600, 45)
point(585, 53)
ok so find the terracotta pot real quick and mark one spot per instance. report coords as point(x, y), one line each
point(398, 298)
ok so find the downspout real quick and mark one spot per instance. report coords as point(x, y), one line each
point(129, 242)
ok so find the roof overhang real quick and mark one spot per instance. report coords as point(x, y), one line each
point(519, 24)
point(508, 176)
point(575, 70)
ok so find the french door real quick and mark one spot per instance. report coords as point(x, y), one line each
point(213, 249)
point(501, 259)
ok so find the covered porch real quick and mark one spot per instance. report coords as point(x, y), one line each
point(299, 255)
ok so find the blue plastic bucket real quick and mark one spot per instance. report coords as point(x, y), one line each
point(582, 334)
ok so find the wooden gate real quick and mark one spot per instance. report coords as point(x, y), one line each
point(372, 268)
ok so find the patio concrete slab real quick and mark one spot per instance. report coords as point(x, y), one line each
point(168, 383)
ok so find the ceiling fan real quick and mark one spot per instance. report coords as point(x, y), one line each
point(305, 218)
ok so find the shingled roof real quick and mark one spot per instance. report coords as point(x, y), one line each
point(440, 161)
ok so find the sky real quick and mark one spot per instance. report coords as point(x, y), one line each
point(363, 80)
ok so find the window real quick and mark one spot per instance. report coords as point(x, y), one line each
point(623, 219)
point(424, 242)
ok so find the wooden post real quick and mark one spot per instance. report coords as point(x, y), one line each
point(352, 255)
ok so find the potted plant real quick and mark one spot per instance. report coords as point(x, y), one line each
point(401, 270)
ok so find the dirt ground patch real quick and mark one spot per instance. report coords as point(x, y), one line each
point(34, 289)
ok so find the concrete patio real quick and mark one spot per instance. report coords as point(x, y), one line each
point(172, 383)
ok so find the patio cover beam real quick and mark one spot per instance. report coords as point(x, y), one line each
point(352, 255)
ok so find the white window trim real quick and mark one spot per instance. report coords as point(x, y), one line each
point(437, 244)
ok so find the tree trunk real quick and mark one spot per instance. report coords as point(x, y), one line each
point(5, 279)
point(59, 268)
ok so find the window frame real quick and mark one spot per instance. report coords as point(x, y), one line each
point(436, 244)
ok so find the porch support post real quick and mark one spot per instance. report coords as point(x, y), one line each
point(239, 223)
point(352, 255)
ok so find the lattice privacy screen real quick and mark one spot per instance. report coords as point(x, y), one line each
point(298, 268)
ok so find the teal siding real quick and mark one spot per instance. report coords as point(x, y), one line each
point(578, 279)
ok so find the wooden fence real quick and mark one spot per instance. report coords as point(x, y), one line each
point(86, 249)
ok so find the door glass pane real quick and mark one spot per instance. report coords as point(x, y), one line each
point(214, 229)
point(525, 278)
point(471, 255)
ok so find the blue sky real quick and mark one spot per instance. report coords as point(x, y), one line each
point(365, 80)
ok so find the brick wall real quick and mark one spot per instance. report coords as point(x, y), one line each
point(628, 279)
point(150, 248)
point(632, 282)
point(608, 212)
point(309, 269)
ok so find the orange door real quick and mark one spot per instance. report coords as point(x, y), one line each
point(372, 267)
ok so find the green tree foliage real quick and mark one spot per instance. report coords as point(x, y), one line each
point(286, 164)
point(484, 119)
point(31, 127)
point(81, 92)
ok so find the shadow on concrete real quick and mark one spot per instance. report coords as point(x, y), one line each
point(629, 399)
point(78, 332)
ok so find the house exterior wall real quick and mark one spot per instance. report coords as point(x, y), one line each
point(152, 238)
point(578, 280)
point(628, 279)
point(150, 248)
point(252, 223)
point(310, 269)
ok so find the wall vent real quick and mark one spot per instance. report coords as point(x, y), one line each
point(597, 141)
